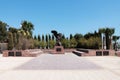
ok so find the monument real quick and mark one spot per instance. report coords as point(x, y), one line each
point(58, 48)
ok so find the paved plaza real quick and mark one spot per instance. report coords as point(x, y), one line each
point(60, 67)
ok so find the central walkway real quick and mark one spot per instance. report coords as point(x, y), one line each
point(58, 62)
point(60, 67)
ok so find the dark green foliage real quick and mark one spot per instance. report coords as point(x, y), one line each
point(89, 35)
point(91, 43)
point(35, 38)
point(14, 33)
point(39, 38)
point(22, 38)
point(43, 38)
point(78, 36)
point(3, 31)
point(65, 43)
point(36, 44)
point(43, 44)
point(10, 41)
point(115, 38)
point(53, 38)
point(108, 32)
point(46, 38)
point(50, 37)
point(73, 43)
point(51, 44)
point(47, 43)
point(15, 39)
point(63, 36)
point(71, 36)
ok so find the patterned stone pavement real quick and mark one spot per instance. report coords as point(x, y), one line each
point(58, 62)
point(60, 67)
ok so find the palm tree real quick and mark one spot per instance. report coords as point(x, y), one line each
point(115, 38)
point(27, 27)
point(108, 32)
point(111, 32)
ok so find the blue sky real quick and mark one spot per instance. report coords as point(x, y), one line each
point(65, 16)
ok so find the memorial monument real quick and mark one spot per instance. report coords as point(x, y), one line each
point(58, 48)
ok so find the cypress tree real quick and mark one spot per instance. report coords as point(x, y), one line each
point(49, 37)
point(10, 41)
point(43, 38)
point(46, 38)
point(53, 38)
point(71, 36)
point(35, 37)
point(39, 38)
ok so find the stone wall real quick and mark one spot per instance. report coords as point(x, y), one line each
point(118, 53)
point(100, 53)
point(95, 53)
point(19, 53)
point(51, 50)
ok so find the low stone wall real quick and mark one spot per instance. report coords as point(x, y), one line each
point(101, 52)
point(69, 50)
point(96, 53)
point(51, 50)
point(19, 53)
point(118, 53)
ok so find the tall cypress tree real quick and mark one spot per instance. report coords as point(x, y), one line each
point(10, 41)
point(39, 38)
point(49, 37)
point(53, 38)
point(35, 37)
point(14, 39)
point(46, 37)
point(71, 36)
point(43, 38)
point(63, 36)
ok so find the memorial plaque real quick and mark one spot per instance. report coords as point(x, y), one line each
point(98, 53)
point(105, 53)
point(58, 49)
point(10, 53)
point(18, 54)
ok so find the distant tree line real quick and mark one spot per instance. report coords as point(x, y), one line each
point(87, 41)
point(23, 38)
